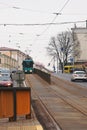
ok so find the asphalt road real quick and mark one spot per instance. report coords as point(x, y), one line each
point(68, 77)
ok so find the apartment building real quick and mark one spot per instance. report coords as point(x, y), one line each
point(81, 34)
point(7, 62)
point(11, 58)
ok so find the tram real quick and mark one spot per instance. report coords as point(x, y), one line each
point(27, 65)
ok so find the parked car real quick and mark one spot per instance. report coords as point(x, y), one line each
point(79, 75)
point(5, 72)
point(5, 81)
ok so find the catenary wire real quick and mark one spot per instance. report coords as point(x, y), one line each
point(55, 17)
point(42, 24)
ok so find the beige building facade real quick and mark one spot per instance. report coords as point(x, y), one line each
point(7, 62)
point(11, 58)
point(81, 34)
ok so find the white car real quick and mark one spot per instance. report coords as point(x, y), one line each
point(79, 75)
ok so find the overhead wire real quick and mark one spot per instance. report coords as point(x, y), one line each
point(55, 16)
point(41, 24)
point(25, 9)
point(64, 6)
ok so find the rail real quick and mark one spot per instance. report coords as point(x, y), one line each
point(65, 102)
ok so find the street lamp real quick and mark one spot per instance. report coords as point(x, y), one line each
point(18, 62)
point(62, 49)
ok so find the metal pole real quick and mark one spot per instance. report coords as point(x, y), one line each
point(73, 62)
point(63, 62)
point(57, 64)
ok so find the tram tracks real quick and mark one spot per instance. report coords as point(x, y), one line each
point(75, 94)
point(42, 113)
point(61, 103)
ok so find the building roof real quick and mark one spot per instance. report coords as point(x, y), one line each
point(11, 49)
point(7, 49)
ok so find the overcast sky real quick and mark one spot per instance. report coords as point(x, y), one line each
point(31, 12)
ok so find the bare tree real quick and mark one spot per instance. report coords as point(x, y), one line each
point(63, 46)
point(53, 49)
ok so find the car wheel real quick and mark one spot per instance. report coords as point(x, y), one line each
point(72, 80)
point(11, 85)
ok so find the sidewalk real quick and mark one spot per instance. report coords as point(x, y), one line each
point(21, 123)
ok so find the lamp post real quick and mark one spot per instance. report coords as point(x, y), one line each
point(62, 49)
point(18, 46)
point(28, 50)
point(54, 69)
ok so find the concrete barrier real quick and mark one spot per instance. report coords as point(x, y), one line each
point(44, 75)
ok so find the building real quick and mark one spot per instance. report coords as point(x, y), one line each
point(7, 62)
point(81, 34)
point(11, 58)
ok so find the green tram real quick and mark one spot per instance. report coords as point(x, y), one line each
point(27, 65)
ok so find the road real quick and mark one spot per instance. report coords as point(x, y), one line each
point(68, 77)
point(59, 106)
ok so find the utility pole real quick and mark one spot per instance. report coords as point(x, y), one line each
point(62, 49)
point(57, 65)
point(54, 64)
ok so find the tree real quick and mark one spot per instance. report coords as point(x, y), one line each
point(63, 46)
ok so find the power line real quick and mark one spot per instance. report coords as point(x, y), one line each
point(58, 13)
point(64, 6)
point(25, 9)
point(42, 24)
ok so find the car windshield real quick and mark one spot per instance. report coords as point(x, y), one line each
point(80, 72)
point(28, 63)
point(5, 71)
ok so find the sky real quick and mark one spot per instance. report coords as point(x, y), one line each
point(24, 24)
